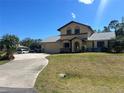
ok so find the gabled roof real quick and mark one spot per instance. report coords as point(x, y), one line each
point(102, 36)
point(75, 23)
point(51, 39)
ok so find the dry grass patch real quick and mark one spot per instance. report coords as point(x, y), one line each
point(85, 73)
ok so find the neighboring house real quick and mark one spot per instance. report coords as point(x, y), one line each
point(74, 37)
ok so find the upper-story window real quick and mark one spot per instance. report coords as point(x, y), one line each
point(69, 32)
point(77, 30)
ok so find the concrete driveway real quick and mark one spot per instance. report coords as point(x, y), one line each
point(20, 74)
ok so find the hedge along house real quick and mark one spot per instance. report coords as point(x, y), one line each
point(74, 37)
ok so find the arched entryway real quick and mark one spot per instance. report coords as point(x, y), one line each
point(77, 47)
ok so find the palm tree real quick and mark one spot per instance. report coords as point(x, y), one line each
point(10, 42)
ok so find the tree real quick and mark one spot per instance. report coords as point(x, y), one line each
point(1, 46)
point(36, 45)
point(113, 25)
point(106, 29)
point(117, 44)
point(10, 42)
point(33, 44)
point(120, 30)
point(27, 42)
point(98, 31)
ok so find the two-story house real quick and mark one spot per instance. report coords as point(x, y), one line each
point(74, 37)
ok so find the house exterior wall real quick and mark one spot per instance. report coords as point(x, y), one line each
point(95, 44)
point(51, 47)
point(73, 44)
point(105, 43)
point(68, 37)
point(89, 44)
point(65, 41)
point(84, 31)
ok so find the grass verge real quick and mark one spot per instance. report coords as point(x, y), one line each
point(1, 56)
point(3, 62)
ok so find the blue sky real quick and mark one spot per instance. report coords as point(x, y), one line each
point(42, 18)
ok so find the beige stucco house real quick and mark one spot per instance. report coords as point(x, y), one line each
point(76, 36)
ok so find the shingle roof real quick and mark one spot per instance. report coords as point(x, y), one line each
point(94, 36)
point(51, 39)
point(102, 36)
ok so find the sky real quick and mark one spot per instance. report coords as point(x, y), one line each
point(41, 18)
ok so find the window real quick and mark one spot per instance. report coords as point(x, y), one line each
point(100, 44)
point(69, 32)
point(66, 45)
point(77, 31)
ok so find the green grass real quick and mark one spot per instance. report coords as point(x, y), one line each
point(1, 55)
point(86, 73)
point(3, 62)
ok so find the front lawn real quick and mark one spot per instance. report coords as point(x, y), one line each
point(85, 73)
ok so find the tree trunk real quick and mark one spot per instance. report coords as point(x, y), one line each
point(9, 55)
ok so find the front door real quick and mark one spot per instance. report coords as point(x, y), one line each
point(77, 47)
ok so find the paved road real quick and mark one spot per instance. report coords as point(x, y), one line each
point(20, 74)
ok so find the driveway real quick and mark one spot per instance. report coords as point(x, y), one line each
point(21, 73)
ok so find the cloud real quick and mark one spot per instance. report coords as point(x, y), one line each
point(86, 1)
point(73, 15)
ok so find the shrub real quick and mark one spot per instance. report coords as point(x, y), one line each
point(83, 49)
point(117, 46)
point(11, 43)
